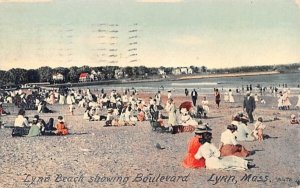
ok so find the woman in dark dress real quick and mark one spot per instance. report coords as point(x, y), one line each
point(218, 97)
point(49, 127)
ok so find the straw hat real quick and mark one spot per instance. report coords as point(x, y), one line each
point(202, 129)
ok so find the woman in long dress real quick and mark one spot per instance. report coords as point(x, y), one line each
point(286, 100)
point(204, 103)
point(226, 97)
point(171, 112)
point(217, 98)
point(298, 103)
point(229, 145)
point(230, 94)
point(280, 101)
point(213, 159)
point(193, 145)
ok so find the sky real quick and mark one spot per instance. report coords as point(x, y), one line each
point(170, 33)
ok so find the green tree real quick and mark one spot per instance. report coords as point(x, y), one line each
point(128, 71)
point(84, 69)
point(2, 78)
point(73, 74)
point(33, 76)
point(18, 76)
point(45, 74)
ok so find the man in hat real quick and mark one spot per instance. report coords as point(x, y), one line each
point(193, 146)
point(249, 106)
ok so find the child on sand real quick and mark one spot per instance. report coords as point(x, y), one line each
point(61, 128)
point(258, 129)
point(294, 120)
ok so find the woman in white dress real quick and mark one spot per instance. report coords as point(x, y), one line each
point(298, 103)
point(286, 100)
point(204, 103)
point(243, 133)
point(212, 156)
point(280, 101)
point(230, 94)
point(186, 119)
point(62, 99)
point(170, 108)
point(226, 96)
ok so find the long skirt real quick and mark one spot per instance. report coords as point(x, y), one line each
point(236, 150)
point(181, 129)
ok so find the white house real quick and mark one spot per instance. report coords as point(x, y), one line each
point(176, 71)
point(161, 72)
point(190, 70)
point(57, 77)
point(119, 73)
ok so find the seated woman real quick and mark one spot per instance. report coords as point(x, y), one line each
point(21, 121)
point(61, 128)
point(87, 115)
point(213, 159)
point(42, 108)
point(188, 124)
point(35, 128)
point(49, 127)
point(243, 133)
point(2, 111)
point(141, 115)
point(186, 119)
point(21, 125)
point(194, 144)
point(294, 120)
point(229, 145)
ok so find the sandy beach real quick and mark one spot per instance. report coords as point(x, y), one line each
point(97, 156)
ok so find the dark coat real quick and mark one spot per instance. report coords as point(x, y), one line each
point(249, 103)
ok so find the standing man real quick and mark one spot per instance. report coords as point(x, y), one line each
point(249, 106)
point(194, 95)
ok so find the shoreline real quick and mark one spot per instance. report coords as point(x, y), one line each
point(176, 78)
point(227, 75)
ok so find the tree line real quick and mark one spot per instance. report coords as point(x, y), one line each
point(19, 76)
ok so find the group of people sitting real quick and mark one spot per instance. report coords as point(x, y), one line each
point(230, 154)
point(202, 153)
point(37, 126)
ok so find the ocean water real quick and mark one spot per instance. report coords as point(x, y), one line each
point(207, 85)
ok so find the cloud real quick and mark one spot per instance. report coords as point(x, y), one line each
point(26, 1)
point(159, 1)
